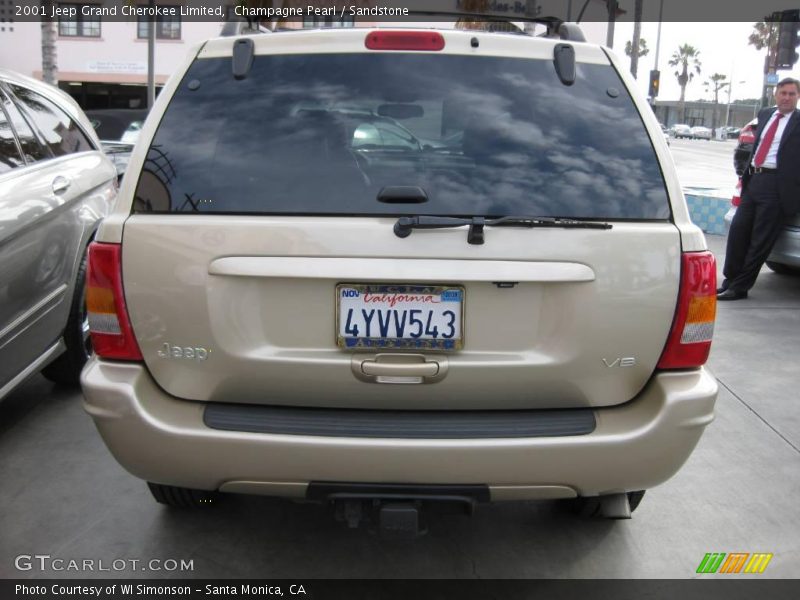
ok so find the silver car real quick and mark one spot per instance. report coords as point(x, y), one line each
point(679, 130)
point(117, 130)
point(55, 187)
point(520, 309)
point(701, 133)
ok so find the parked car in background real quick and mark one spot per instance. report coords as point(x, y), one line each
point(785, 255)
point(747, 137)
point(730, 132)
point(131, 133)
point(116, 124)
point(701, 133)
point(315, 305)
point(55, 187)
point(665, 132)
point(680, 130)
point(118, 130)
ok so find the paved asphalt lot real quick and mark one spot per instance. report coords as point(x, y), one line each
point(705, 164)
point(62, 494)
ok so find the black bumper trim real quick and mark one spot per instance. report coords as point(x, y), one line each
point(321, 491)
point(435, 424)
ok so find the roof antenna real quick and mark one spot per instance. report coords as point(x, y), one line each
point(564, 62)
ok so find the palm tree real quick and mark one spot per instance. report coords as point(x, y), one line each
point(637, 28)
point(643, 49)
point(49, 62)
point(765, 35)
point(716, 83)
point(686, 58)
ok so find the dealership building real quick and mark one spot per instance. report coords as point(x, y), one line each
point(102, 60)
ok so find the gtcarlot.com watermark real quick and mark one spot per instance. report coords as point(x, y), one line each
point(46, 562)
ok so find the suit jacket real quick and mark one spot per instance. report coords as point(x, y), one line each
point(788, 160)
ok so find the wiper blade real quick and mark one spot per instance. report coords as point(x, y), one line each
point(547, 222)
point(405, 225)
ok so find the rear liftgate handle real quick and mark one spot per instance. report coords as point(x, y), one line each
point(398, 368)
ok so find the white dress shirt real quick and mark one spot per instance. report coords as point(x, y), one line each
point(771, 160)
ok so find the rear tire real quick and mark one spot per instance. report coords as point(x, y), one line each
point(179, 497)
point(588, 507)
point(783, 269)
point(66, 369)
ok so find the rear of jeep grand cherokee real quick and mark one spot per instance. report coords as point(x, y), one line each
point(400, 268)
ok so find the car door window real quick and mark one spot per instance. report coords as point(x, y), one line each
point(366, 135)
point(9, 152)
point(62, 135)
point(395, 138)
point(32, 149)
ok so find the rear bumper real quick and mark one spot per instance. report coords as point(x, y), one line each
point(162, 439)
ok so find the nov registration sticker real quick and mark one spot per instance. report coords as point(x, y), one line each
point(426, 317)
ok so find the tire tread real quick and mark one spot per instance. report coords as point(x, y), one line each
point(588, 507)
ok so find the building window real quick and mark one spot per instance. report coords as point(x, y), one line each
point(80, 25)
point(168, 27)
point(6, 16)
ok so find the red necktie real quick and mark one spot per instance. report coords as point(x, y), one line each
point(763, 147)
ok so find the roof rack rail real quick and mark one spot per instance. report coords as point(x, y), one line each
point(556, 27)
point(239, 26)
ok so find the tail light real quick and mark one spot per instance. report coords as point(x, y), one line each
point(689, 340)
point(404, 40)
point(747, 135)
point(109, 325)
point(736, 199)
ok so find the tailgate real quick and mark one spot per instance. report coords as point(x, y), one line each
point(252, 236)
point(244, 309)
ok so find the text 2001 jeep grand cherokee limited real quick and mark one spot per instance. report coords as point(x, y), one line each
point(381, 268)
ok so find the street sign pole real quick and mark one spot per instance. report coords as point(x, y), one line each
point(151, 60)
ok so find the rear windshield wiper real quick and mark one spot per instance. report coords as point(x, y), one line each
point(405, 225)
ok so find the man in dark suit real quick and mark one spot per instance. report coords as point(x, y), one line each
point(770, 192)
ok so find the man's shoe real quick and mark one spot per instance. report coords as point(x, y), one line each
point(730, 294)
point(723, 287)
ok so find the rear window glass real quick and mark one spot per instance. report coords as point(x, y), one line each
point(325, 133)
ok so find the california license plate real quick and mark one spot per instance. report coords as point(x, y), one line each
point(399, 316)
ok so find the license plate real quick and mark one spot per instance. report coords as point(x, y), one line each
point(427, 317)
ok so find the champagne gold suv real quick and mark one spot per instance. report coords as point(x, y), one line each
point(290, 301)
